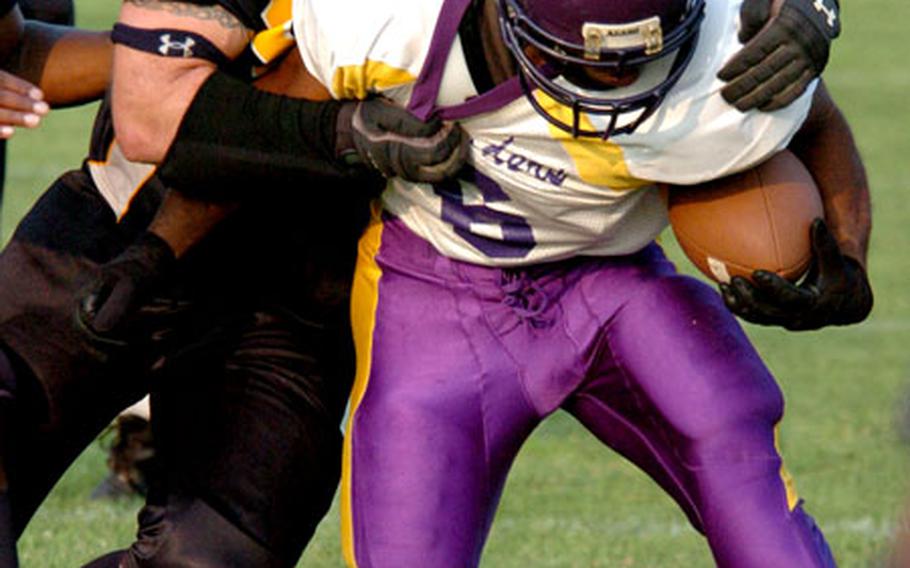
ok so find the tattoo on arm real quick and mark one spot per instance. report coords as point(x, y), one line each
point(213, 13)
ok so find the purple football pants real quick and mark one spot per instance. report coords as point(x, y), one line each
point(457, 363)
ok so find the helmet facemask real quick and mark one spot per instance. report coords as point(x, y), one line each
point(615, 48)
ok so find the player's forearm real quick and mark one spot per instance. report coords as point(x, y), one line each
point(825, 145)
point(12, 28)
point(71, 66)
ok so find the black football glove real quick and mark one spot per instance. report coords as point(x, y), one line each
point(776, 65)
point(384, 136)
point(120, 303)
point(835, 291)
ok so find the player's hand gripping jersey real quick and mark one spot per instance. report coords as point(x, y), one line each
point(530, 192)
point(457, 362)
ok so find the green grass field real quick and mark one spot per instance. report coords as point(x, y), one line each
point(571, 503)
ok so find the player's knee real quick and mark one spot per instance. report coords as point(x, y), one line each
point(752, 408)
point(743, 430)
point(728, 398)
point(194, 534)
point(742, 424)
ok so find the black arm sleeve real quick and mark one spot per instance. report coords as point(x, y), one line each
point(236, 139)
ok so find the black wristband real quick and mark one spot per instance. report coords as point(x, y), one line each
point(151, 250)
point(235, 139)
point(824, 18)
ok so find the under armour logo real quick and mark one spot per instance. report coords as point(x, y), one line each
point(178, 48)
point(830, 13)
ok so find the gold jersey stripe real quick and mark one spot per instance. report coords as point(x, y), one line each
point(598, 162)
point(357, 81)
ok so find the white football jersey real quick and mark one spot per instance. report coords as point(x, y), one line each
point(530, 192)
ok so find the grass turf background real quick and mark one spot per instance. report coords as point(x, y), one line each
point(570, 502)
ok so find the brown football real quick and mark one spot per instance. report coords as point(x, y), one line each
point(756, 219)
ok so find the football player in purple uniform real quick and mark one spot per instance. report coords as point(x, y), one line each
point(532, 282)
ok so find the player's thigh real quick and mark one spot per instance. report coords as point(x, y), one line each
point(66, 396)
point(55, 251)
point(68, 232)
point(678, 389)
point(248, 419)
point(693, 369)
point(437, 413)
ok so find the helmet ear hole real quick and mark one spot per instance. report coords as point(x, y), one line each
point(598, 47)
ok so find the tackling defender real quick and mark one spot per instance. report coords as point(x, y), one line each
point(248, 355)
point(246, 423)
point(532, 282)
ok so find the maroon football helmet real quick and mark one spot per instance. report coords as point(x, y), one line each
point(614, 35)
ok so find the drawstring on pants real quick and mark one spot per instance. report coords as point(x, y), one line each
point(525, 297)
